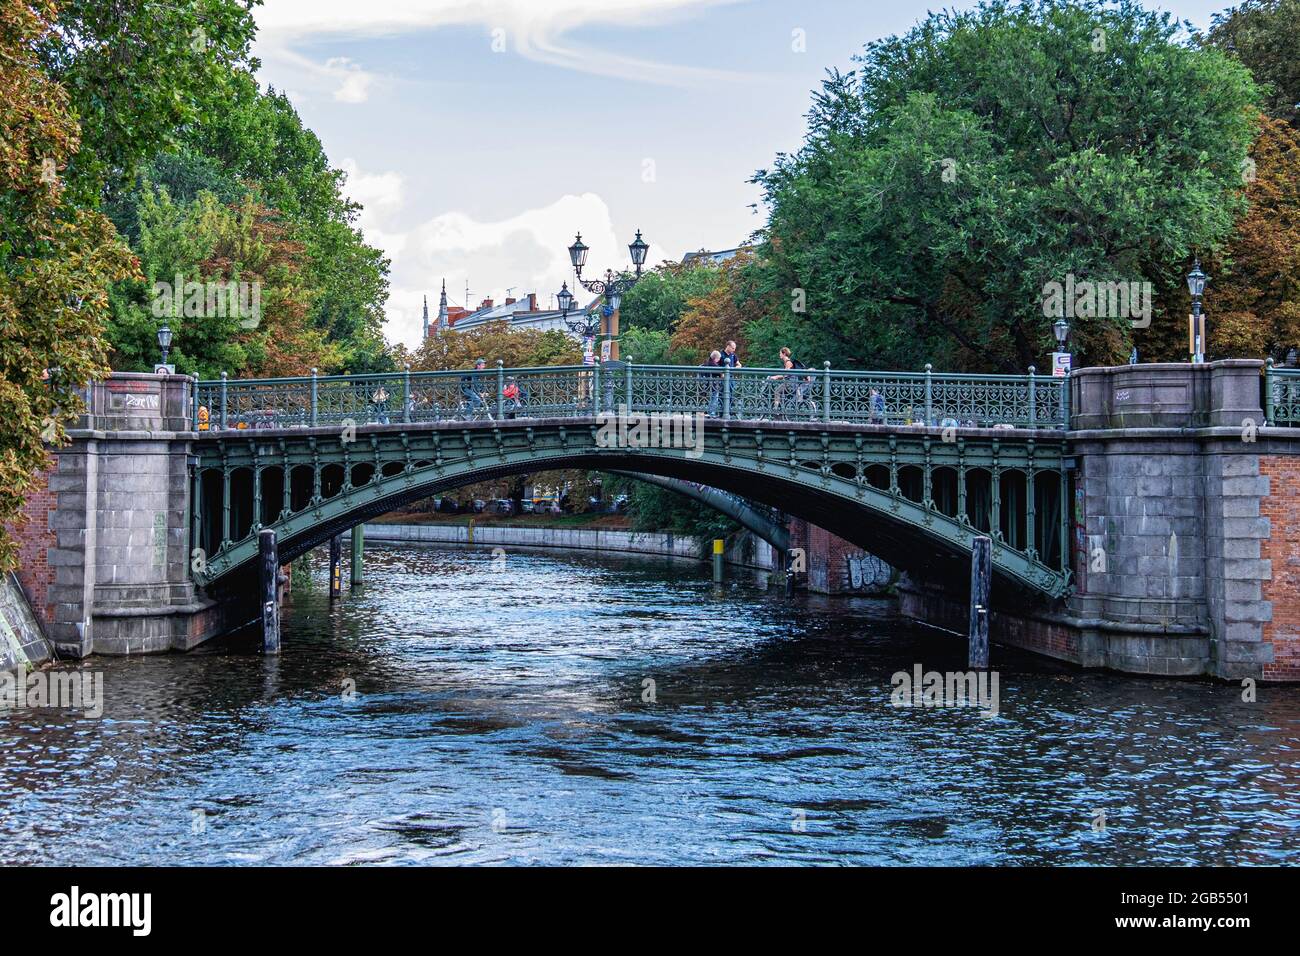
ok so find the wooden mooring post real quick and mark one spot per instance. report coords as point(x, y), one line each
point(358, 546)
point(336, 566)
point(981, 574)
point(268, 552)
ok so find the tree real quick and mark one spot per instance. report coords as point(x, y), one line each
point(659, 299)
point(1265, 36)
point(138, 72)
point(256, 147)
point(654, 508)
point(985, 154)
point(492, 342)
point(191, 248)
point(56, 262)
point(1255, 283)
point(645, 346)
point(717, 316)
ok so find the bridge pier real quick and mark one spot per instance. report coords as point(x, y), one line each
point(1185, 533)
point(107, 540)
point(1170, 571)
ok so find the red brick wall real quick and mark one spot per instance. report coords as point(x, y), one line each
point(35, 538)
point(827, 555)
point(1282, 508)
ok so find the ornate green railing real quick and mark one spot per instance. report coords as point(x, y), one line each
point(1282, 396)
point(883, 398)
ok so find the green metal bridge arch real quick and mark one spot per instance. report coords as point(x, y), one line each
point(915, 493)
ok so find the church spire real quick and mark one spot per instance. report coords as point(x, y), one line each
point(442, 309)
point(426, 317)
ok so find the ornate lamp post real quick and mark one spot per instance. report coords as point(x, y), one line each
point(612, 286)
point(164, 341)
point(1196, 286)
point(1061, 329)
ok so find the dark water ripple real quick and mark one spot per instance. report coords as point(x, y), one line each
point(497, 717)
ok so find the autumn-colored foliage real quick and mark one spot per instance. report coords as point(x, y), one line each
point(492, 342)
point(56, 263)
point(716, 317)
point(1255, 288)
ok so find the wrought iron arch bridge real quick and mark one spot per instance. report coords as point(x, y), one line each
point(911, 466)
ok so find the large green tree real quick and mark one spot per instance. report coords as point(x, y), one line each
point(56, 263)
point(1265, 36)
point(661, 297)
point(969, 163)
point(138, 73)
point(256, 147)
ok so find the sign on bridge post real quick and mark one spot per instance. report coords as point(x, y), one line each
point(981, 574)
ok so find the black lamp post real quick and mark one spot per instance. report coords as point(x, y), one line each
point(612, 286)
point(1061, 329)
point(1196, 286)
point(165, 340)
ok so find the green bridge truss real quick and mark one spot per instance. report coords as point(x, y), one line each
point(909, 466)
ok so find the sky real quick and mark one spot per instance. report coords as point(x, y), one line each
point(481, 135)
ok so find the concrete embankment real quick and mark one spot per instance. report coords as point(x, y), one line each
point(22, 644)
point(743, 548)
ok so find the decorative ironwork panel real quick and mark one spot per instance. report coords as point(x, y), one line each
point(1283, 395)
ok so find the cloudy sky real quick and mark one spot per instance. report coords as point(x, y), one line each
point(481, 134)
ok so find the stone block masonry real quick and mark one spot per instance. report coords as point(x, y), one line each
point(103, 550)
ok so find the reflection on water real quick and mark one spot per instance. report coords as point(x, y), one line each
point(450, 713)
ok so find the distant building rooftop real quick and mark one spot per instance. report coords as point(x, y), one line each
point(720, 255)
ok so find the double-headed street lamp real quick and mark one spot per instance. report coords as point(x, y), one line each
point(611, 287)
point(1196, 332)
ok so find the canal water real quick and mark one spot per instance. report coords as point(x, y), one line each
point(461, 708)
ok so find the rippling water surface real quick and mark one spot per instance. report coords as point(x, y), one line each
point(451, 713)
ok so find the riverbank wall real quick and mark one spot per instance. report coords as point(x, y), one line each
point(743, 549)
point(828, 564)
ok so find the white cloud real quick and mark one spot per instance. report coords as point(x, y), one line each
point(538, 30)
point(375, 191)
point(527, 252)
point(354, 82)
